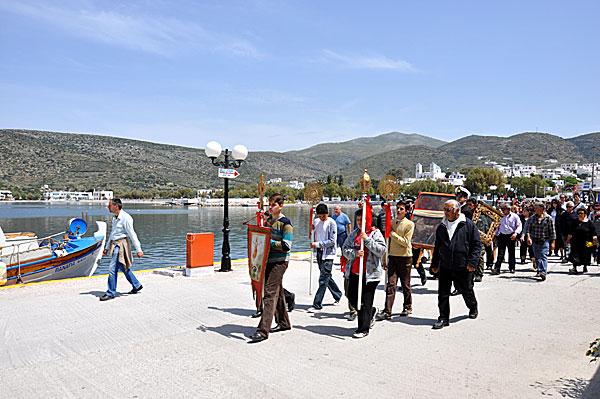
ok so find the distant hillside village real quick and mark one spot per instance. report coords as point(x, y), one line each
point(556, 175)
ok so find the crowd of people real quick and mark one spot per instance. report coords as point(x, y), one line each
point(565, 228)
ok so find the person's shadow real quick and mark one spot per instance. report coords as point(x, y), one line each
point(97, 294)
point(329, 331)
point(234, 331)
point(234, 311)
point(419, 321)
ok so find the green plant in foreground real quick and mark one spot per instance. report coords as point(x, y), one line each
point(594, 350)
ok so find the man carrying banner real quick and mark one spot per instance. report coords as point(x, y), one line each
point(281, 245)
point(374, 245)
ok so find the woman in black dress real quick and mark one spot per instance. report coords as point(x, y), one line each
point(583, 239)
point(555, 210)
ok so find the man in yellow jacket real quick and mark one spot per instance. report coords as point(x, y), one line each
point(399, 263)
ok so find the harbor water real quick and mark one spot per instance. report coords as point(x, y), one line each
point(161, 229)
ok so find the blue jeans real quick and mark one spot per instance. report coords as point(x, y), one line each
point(541, 256)
point(325, 281)
point(341, 237)
point(113, 269)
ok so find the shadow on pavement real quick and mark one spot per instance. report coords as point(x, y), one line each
point(592, 390)
point(235, 331)
point(413, 321)
point(98, 293)
point(322, 315)
point(235, 311)
point(522, 279)
point(329, 331)
point(566, 387)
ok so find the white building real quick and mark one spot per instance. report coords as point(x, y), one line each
point(523, 170)
point(275, 180)
point(586, 168)
point(102, 195)
point(6, 195)
point(68, 195)
point(569, 166)
point(435, 172)
point(295, 184)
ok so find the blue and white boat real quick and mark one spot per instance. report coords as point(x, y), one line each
point(25, 258)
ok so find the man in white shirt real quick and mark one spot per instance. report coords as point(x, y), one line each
point(120, 249)
point(325, 230)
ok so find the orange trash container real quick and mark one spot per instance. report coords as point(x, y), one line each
point(199, 254)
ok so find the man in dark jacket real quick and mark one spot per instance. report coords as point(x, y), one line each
point(455, 257)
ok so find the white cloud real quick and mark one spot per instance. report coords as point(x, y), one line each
point(157, 35)
point(369, 62)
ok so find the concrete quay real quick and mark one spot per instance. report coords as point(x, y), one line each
point(187, 338)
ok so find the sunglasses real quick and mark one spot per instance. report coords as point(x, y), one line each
point(581, 213)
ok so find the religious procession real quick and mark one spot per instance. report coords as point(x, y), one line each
point(463, 239)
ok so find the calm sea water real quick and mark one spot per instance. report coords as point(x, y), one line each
point(161, 229)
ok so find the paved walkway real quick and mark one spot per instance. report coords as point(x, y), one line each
point(186, 338)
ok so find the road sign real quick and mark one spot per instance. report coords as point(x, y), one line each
point(228, 173)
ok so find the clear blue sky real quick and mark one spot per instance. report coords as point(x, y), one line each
point(281, 75)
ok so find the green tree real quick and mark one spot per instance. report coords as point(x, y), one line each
point(396, 172)
point(479, 180)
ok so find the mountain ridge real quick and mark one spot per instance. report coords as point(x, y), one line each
point(73, 161)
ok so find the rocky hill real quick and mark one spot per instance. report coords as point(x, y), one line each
point(471, 151)
point(30, 159)
point(336, 155)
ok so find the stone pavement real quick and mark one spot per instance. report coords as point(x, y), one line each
point(187, 338)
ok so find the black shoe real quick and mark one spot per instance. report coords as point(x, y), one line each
point(585, 269)
point(473, 314)
point(257, 314)
point(440, 324)
point(351, 316)
point(292, 303)
point(488, 267)
point(406, 312)
point(455, 292)
point(543, 276)
point(495, 271)
point(573, 271)
point(106, 297)
point(278, 328)
point(423, 279)
point(257, 337)
point(477, 278)
point(136, 290)
point(512, 271)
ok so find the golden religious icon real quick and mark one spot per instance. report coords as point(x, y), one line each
point(313, 193)
point(389, 188)
point(365, 182)
point(487, 220)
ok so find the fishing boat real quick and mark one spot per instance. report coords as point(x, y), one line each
point(25, 258)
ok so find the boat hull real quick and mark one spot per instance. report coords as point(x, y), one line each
point(78, 263)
